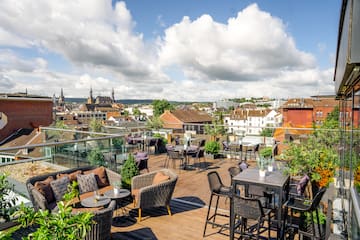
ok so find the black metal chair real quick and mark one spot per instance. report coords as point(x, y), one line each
point(175, 156)
point(303, 206)
point(246, 209)
point(218, 189)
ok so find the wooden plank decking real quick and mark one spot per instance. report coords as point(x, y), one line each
point(189, 207)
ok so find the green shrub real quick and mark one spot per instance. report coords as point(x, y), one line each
point(128, 171)
point(266, 152)
point(96, 157)
point(61, 225)
point(212, 147)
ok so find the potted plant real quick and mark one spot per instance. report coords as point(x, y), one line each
point(266, 153)
point(262, 165)
point(212, 149)
point(7, 201)
point(128, 171)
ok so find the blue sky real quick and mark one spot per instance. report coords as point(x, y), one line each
point(176, 50)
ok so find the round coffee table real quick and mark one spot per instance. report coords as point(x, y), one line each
point(92, 202)
point(118, 197)
point(122, 193)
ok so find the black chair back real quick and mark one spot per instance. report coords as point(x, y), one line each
point(215, 182)
point(249, 208)
point(317, 198)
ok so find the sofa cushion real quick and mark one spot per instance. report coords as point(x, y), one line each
point(45, 189)
point(59, 187)
point(72, 176)
point(100, 176)
point(87, 183)
point(160, 177)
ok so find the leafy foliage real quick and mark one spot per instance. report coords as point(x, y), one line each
point(118, 143)
point(95, 125)
point(212, 147)
point(159, 106)
point(7, 202)
point(317, 156)
point(61, 225)
point(266, 152)
point(267, 132)
point(154, 123)
point(128, 171)
point(96, 157)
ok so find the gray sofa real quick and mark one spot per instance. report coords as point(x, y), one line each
point(40, 198)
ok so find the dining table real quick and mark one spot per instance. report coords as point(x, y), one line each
point(276, 181)
point(186, 151)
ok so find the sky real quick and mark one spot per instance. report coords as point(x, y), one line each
point(189, 50)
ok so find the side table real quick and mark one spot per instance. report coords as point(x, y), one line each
point(118, 197)
point(92, 202)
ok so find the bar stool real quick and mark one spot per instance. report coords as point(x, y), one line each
point(218, 189)
point(305, 206)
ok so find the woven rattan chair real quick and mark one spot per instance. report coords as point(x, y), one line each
point(218, 189)
point(246, 209)
point(101, 228)
point(148, 194)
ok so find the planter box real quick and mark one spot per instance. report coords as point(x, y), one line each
point(212, 156)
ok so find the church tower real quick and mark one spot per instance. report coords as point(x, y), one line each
point(61, 100)
point(113, 95)
point(90, 99)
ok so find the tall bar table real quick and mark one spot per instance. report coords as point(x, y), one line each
point(274, 181)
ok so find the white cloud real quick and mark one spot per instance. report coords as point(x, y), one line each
point(248, 48)
point(251, 54)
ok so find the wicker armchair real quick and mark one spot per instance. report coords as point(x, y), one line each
point(101, 229)
point(148, 192)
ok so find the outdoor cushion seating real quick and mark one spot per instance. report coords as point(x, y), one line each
point(101, 228)
point(153, 189)
point(46, 190)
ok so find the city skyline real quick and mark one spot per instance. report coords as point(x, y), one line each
point(180, 51)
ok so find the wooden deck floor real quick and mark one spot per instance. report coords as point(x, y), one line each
point(189, 207)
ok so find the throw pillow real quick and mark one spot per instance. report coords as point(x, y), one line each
point(59, 187)
point(100, 175)
point(159, 178)
point(87, 183)
point(72, 176)
point(301, 186)
point(45, 189)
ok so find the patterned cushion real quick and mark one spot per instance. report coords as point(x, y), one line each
point(100, 175)
point(72, 176)
point(45, 189)
point(59, 187)
point(87, 183)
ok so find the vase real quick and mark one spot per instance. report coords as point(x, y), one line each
point(262, 173)
point(116, 191)
point(270, 168)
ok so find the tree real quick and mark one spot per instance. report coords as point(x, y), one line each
point(159, 106)
point(95, 125)
point(136, 112)
point(266, 132)
point(154, 123)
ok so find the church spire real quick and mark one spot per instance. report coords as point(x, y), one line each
point(113, 95)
